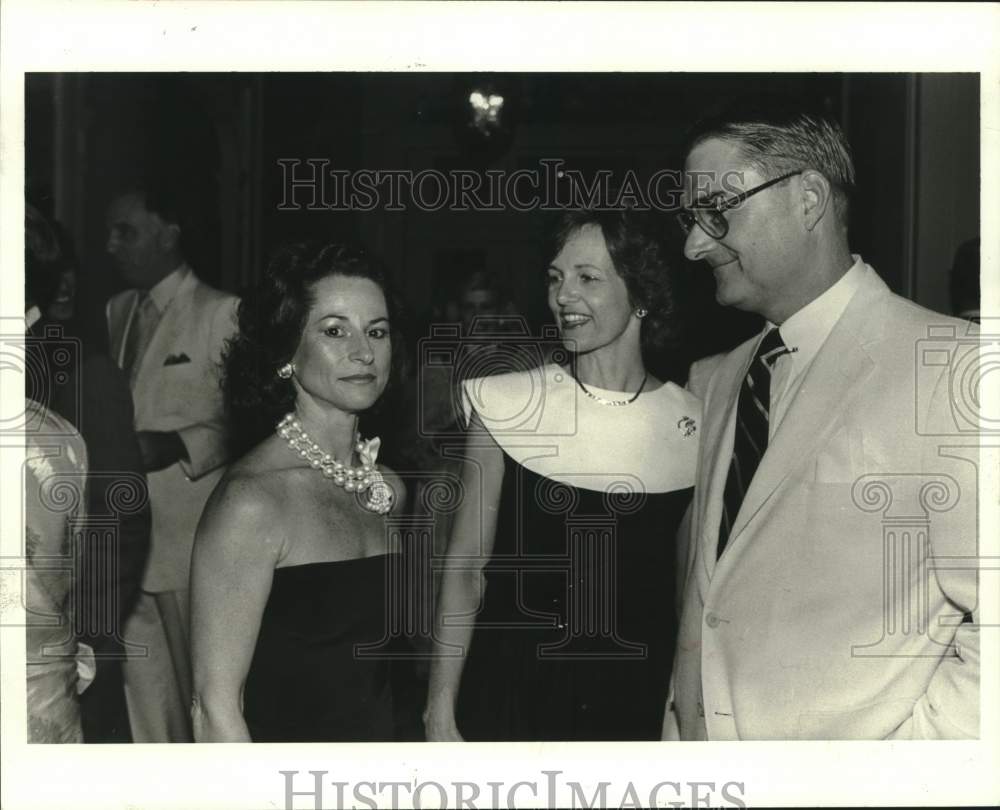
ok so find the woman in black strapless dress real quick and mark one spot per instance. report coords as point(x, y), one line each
point(293, 577)
point(557, 616)
point(310, 679)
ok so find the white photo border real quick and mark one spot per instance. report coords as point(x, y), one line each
point(41, 35)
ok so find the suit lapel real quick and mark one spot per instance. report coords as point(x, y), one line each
point(718, 447)
point(174, 322)
point(831, 383)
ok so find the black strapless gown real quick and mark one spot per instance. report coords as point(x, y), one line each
point(575, 636)
point(311, 678)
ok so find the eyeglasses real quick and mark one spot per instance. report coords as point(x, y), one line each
point(709, 215)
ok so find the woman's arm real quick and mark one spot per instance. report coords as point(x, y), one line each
point(232, 566)
point(469, 549)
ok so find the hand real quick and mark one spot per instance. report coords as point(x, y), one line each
point(439, 724)
point(160, 449)
point(86, 667)
point(671, 730)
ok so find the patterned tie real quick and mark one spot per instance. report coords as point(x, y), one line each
point(140, 332)
point(750, 440)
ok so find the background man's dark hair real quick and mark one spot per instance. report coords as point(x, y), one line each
point(172, 202)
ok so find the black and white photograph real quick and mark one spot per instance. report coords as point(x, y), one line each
point(500, 405)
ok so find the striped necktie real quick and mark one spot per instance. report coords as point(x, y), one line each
point(750, 440)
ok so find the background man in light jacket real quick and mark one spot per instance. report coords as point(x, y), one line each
point(167, 333)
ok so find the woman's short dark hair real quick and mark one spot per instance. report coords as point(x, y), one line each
point(633, 242)
point(272, 318)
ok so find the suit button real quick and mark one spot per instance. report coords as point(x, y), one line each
point(712, 620)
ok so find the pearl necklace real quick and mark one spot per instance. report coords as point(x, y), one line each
point(615, 403)
point(352, 479)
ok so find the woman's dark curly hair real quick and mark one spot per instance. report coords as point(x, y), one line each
point(638, 256)
point(272, 318)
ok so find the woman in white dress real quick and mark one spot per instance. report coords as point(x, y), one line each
point(556, 619)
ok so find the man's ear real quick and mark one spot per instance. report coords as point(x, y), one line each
point(170, 237)
point(817, 197)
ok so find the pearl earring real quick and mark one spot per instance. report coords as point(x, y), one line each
point(641, 312)
point(286, 371)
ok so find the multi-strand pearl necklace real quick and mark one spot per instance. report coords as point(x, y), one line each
point(352, 479)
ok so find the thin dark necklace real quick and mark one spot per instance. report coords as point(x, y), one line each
point(615, 403)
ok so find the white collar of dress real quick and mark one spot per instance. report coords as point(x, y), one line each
point(543, 421)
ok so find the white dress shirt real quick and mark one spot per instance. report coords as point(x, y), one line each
point(804, 333)
point(161, 294)
point(165, 289)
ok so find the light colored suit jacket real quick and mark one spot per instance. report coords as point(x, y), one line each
point(836, 610)
point(177, 389)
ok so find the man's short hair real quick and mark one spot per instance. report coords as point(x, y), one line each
point(161, 196)
point(162, 199)
point(168, 200)
point(777, 135)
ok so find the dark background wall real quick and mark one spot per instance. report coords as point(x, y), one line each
point(915, 136)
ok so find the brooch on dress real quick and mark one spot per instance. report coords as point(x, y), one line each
point(687, 426)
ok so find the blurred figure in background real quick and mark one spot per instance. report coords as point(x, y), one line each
point(54, 482)
point(92, 393)
point(483, 311)
point(167, 333)
point(477, 315)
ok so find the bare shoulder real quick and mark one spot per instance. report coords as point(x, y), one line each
point(243, 516)
point(240, 502)
point(242, 495)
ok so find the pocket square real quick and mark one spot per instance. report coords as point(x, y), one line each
point(176, 359)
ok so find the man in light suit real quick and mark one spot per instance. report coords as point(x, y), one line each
point(830, 578)
point(167, 333)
